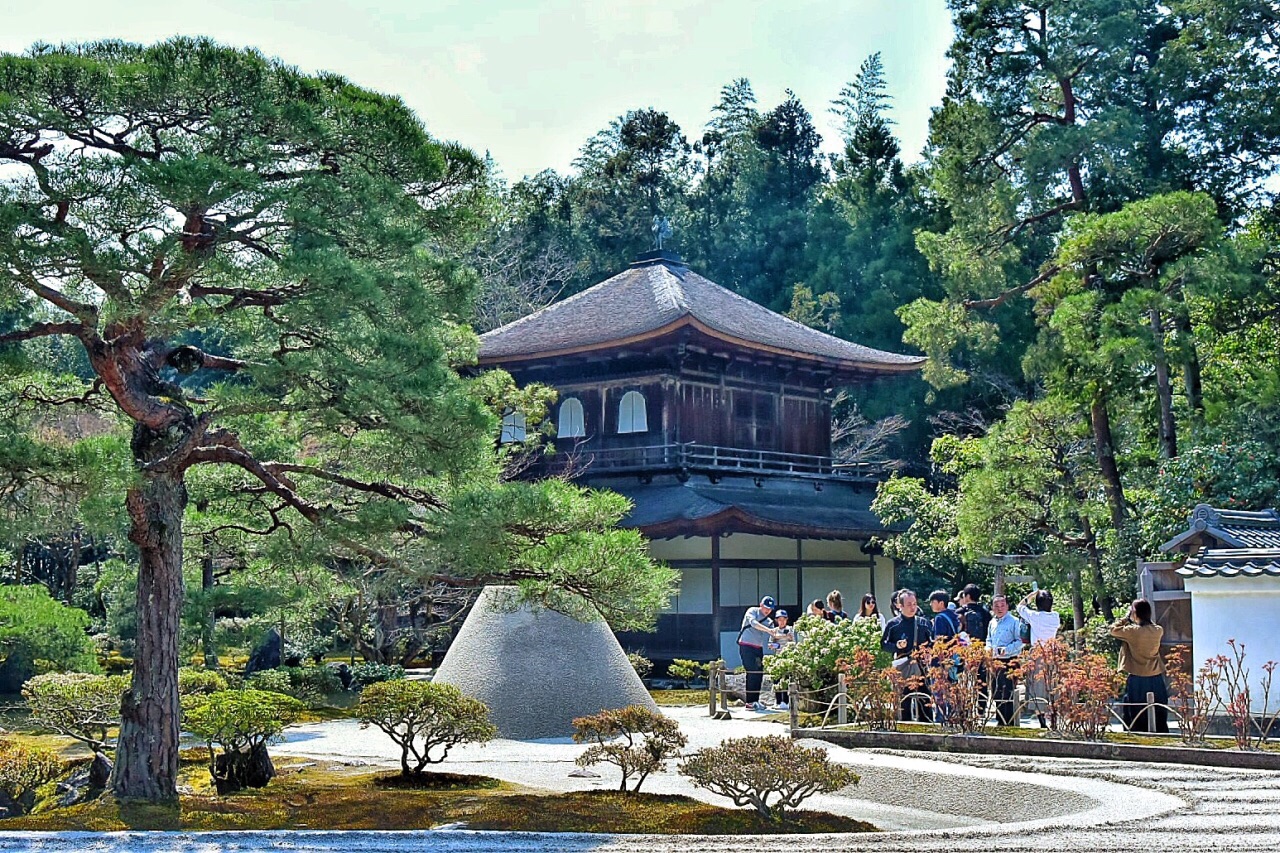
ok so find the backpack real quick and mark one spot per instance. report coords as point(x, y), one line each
point(977, 620)
point(1024, 632)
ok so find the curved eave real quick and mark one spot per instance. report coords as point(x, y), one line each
point(914, 363)
point(737, 520)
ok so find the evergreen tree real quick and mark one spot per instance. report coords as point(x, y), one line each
point(238, 248)
point(637, 168)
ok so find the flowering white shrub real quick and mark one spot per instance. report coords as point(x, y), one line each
point(810, 662)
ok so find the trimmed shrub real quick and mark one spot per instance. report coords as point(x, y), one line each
point(364, 674)
point(812, 662)
point(634, 739)
point(35, 627)
point(77, 704)
point(751, 771)
point(307, 682)
point(688, 670)
point(269, 681)
point(23, 769)
point(641, 664)
point(193, 681)
point(242, 723)
point(420, 717)
point(312, 648)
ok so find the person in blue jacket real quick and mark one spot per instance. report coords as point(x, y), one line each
point(1004, 637)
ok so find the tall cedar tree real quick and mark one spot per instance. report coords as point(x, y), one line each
point(188, 210)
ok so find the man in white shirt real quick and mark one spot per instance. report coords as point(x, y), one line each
point(1044, 624)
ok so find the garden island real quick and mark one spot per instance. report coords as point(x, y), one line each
point(733, 482)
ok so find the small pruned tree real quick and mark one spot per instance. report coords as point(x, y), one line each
point(688, 670)
point(81, 706)
point(634, 739)
point(421, 717)
point(22, 770)
point(751, 771)
point(241, 723)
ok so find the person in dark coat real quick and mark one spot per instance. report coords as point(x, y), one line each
point(905, 633)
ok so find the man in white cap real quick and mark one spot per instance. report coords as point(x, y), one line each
point(757, 632)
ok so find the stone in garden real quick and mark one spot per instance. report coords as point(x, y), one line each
point(537, 669)
point(85, 783)
point(344, 674)
point(267, 654)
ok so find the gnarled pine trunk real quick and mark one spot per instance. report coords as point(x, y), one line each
point(147, 754)
point(1105, 451)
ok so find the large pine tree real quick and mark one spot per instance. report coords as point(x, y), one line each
point(240, 251)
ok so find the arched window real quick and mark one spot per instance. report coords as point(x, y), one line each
point(632, 416)
point(571, 423)
point(512, 427)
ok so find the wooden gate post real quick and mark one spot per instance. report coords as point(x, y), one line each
point(842, 702)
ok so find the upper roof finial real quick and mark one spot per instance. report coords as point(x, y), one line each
point(661, 229)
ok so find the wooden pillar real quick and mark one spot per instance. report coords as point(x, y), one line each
point(872, 590)
point(800, 602)
point(715, 592)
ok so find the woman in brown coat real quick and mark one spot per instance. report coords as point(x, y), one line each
point(1140, 659)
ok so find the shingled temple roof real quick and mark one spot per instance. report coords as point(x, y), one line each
point(658, 295)
point(1229, 528)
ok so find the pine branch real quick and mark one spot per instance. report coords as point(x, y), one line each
point(1001, 298)
point(42, 330)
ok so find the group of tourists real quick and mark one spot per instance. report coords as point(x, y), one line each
point(1033, 622)
point(1006, 631)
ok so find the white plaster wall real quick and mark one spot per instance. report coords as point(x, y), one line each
point(1243, 609)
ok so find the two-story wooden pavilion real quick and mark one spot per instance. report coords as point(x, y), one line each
point(713, 415)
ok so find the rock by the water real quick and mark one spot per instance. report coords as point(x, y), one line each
point(267, 655)
point(537, 669)
point(344, 674)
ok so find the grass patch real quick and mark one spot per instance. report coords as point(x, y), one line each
point(329, 711)
point(663, 814)
point(679, 698)
point(323, 795)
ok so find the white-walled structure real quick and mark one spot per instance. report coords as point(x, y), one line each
point(1233, 575)
point(1241, 608)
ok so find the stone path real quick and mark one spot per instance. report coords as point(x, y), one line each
point(931, 802)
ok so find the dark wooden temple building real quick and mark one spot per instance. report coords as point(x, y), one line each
point(713, 415)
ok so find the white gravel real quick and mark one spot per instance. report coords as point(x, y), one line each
point(925, 802)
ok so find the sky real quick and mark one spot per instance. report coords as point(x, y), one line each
point(529, 81)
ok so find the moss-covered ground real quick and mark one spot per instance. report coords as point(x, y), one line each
point(679, 698)
point(310, 794)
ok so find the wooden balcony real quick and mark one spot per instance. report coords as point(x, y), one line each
point(691, 458)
